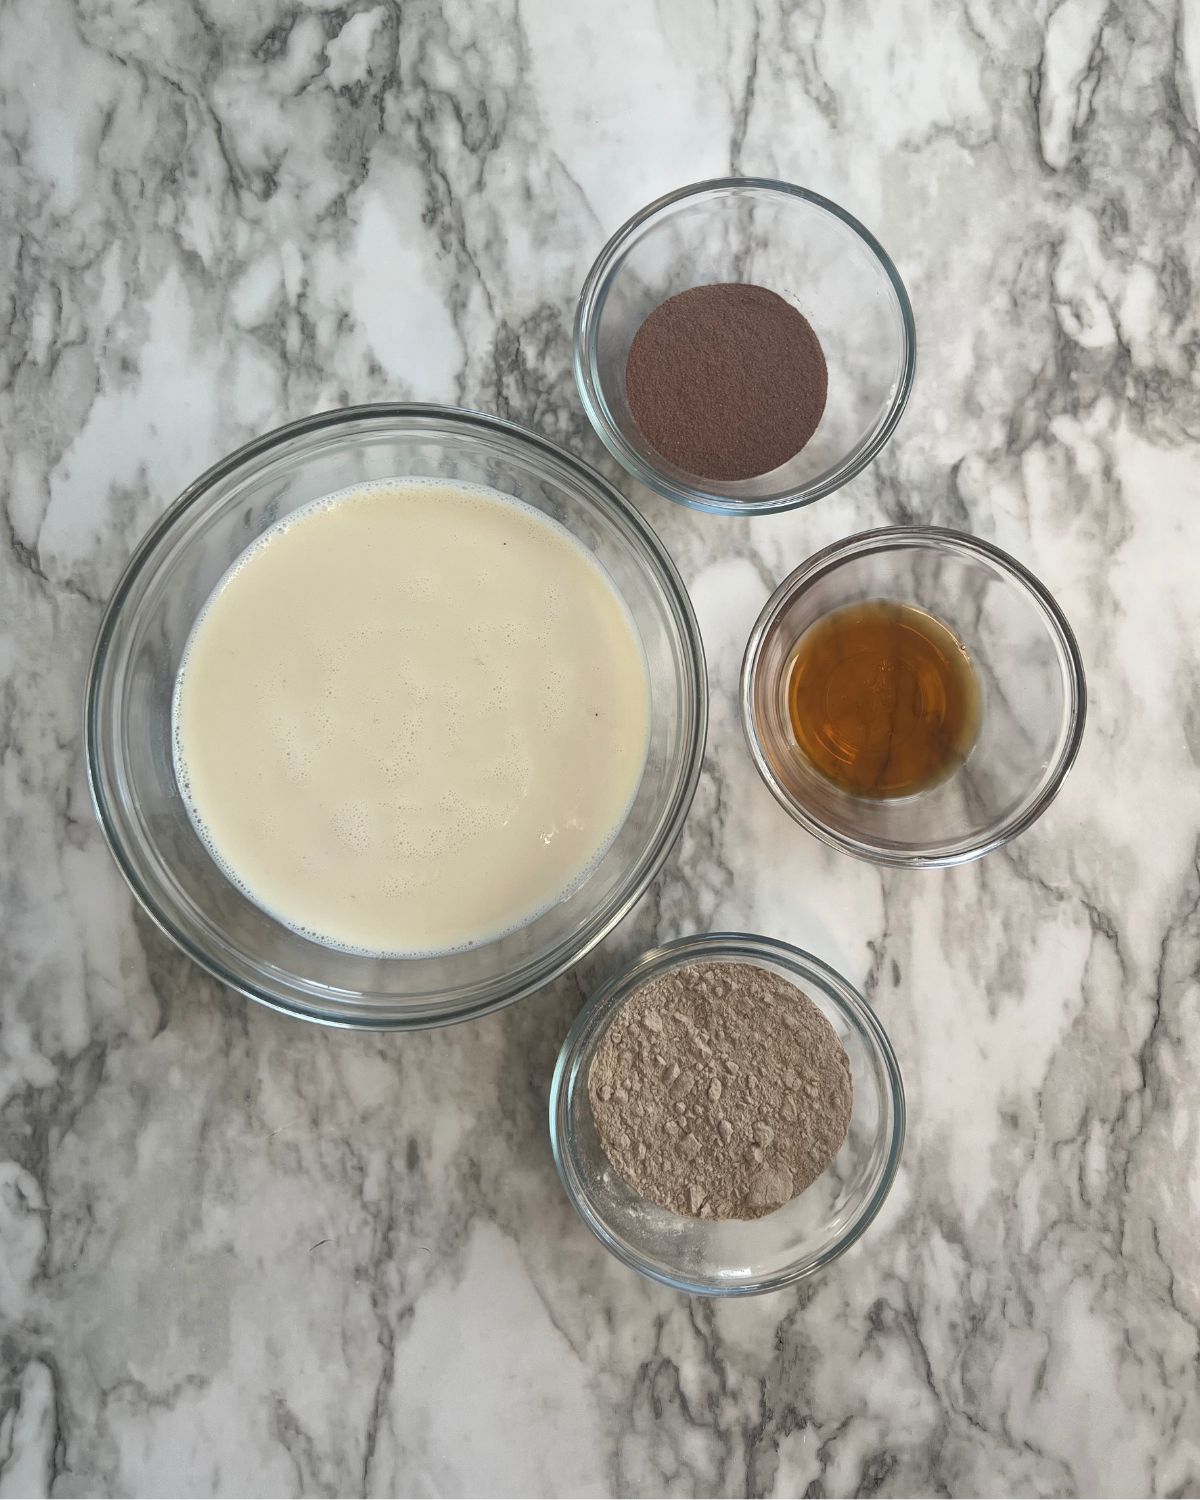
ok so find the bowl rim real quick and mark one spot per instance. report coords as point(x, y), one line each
point(583, 341)
point(695, 731)
point(744, 947)
point(939, 538)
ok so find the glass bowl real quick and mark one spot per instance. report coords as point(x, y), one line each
point(1030, 677)
point(128, 713)
point(796, 243)
point(735, 1258)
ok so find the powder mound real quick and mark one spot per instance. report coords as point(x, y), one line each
point(726, 381)
point(720, 1091)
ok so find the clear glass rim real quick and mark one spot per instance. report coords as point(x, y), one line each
point(591, 299)
point(889, 538)
point(746, 947)
point(421, 1013)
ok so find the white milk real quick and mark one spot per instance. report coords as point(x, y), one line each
point(411, 717)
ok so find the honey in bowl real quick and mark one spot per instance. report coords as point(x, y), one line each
point(883, 699)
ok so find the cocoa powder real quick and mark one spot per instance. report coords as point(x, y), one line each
point(720, 1091)
point(726, 381)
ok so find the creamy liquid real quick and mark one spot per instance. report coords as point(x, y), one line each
point(411, 717)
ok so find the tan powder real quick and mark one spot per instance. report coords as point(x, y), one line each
point(720, 1091)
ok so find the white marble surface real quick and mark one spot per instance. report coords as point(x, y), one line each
point(239, 1255)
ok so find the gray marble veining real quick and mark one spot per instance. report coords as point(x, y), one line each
point(242, 1256)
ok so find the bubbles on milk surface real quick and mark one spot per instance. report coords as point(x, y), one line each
point(413, 725)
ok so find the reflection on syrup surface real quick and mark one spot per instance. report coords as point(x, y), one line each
point(883, 699)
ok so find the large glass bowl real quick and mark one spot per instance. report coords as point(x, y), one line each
point(794, 242)
point(738, 1257)
point(145, 629)
point(1031, 680)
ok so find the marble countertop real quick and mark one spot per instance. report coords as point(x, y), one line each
point(241, 1255)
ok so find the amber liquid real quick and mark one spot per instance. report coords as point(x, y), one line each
point(883, 699)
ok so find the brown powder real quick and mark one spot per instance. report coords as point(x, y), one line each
point(720, 1091)
point(726, 381)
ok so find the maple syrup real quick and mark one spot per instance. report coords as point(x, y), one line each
point(883, 699)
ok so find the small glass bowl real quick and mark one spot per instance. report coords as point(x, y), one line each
point(796, 243)
point(150, 617)
point(735, 1258)
point(1034, 698)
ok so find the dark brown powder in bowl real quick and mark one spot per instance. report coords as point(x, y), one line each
point(726, 381)
point(720, 1091)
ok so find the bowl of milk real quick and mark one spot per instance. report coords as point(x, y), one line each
point(394, 714)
